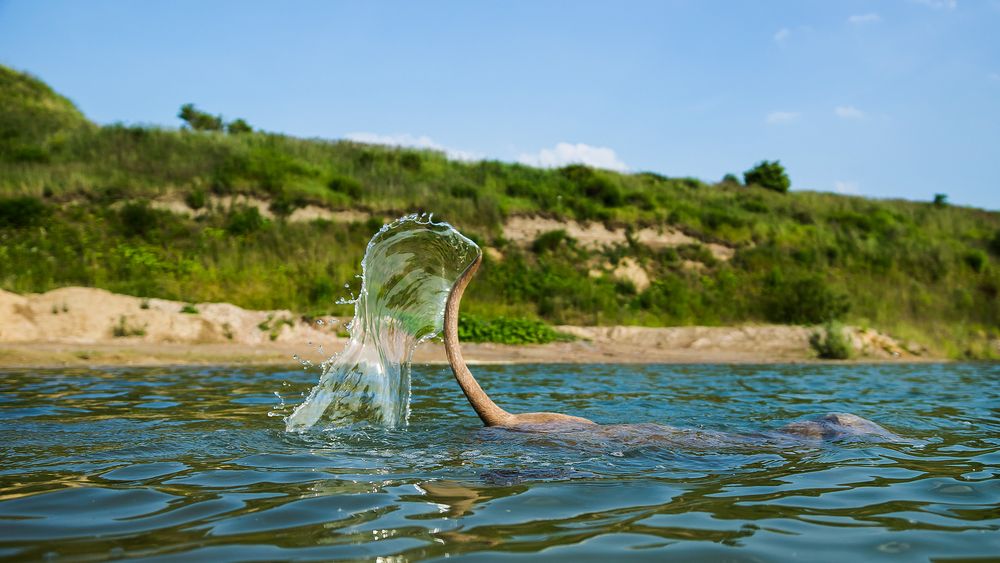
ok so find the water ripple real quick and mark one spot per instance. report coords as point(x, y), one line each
point(181, 464)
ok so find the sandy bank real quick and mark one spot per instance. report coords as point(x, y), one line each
point(77, 326)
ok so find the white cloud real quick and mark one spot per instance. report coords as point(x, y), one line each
point(862, 19)
point(938, 4)
point(782, 34)
point(407, 140)
point(848, 112)
point(579, 153)
point(781, 117)
point(842, 187)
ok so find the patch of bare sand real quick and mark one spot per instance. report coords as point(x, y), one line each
point(302, 214)
point(523, 230)
point(627, 269)
point(86, 315)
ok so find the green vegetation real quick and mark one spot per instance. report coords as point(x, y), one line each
point(768, 175)
point(78, 206)
point(273, 326)
point(199, 120)
point(22, 212)
point(34, 120)
point(505, 330)
point(124, 329)
point(831, 343)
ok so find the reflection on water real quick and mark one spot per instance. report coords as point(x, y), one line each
point(172, 464)
point(408, 270)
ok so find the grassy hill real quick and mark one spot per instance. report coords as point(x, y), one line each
point(75, 210)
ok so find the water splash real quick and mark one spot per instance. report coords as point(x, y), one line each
point(408, 270)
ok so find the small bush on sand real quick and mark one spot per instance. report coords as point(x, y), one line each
point(830, 343)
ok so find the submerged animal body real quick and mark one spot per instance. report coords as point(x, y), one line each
point(828, 426)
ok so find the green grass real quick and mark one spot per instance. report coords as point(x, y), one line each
point(74, 211)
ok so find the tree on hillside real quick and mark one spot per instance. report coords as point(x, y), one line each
point(769, 175)
point(199, 120)
point(238, 126)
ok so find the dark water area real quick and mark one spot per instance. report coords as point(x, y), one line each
point(185, 464)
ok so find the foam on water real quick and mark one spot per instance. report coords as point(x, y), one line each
point(408, 270)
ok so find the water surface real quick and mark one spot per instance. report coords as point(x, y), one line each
point(182, 464)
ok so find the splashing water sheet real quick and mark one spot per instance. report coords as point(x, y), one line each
point(408, 270)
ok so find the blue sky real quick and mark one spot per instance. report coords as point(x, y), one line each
point(886, 99)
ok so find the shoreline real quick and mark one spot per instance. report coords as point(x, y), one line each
point(76, 326)
point(54, 355)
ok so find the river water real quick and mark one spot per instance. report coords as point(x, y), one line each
point(184, 464)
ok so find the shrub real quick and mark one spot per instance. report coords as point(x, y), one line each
point(605, 191)
point(804, 299)
point(994, 244)
point(731, 179)
point(521, 189)
point(594, 185)
point(245, 221)
point(284, 205)
point(189, 309)
point(503, 330)
point(696, 252)
point(831, 343)
point(642, 200)
point(24, 211)
point(123, 329)
point(196, 199)
point(768, 175)
point(345, 185)
point(137, 218)
point(24, 153)
point(940, 200)
point(547, 242)
point(199, 120)
point(273, 326)
point(465, 191)
point(976, 260)
point(238, 127)
point(411, 161)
